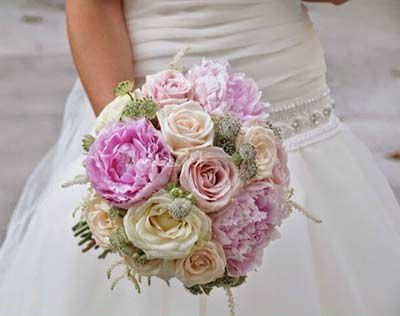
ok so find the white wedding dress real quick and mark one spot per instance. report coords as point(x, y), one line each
point(346, 266)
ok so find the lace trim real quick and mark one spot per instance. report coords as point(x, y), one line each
point(305, 121)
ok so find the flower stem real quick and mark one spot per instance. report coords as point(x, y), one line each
point(231, 301)
point(131, 96)
point(306, 213)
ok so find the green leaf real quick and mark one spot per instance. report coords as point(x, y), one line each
point(87, 141)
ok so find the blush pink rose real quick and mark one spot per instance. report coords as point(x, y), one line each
point(167, 87)
point(280, 172)
point(211, 176)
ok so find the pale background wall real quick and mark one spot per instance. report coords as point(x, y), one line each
point(362, 41)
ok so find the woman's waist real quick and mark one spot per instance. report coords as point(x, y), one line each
point(305, 120)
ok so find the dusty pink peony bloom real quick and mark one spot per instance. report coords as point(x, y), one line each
point(211, 176)
point(243, 99)
point(220, 92)
point(128, 162)
point(280, 172)
point(168, 87)
point(246, 227)
point(210, 80)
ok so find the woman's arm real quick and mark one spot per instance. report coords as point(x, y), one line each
point(100, 47)
point(335, 2)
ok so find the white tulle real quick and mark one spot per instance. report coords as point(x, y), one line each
point(346, 266)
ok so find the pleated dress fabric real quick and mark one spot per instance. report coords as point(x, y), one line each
point(346, 266)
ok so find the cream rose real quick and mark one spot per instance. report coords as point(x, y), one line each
point(99, 222)
point(163, 269)
point(203, 265)
point(263, 140)
point(112, 112)
point(186, 127)
point(150, 227)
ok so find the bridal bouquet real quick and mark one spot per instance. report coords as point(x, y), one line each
point(186, 179)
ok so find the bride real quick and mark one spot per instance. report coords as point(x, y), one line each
point(346, 266)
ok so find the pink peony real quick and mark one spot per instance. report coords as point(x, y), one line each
point(246, 227)
point(220, 92)
point(210, 80)
point(128, 162)
point(243, 99)
point(211, 176)
point(168, 87)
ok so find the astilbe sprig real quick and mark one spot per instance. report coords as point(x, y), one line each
point(227, 129)
point(120, 243)
point(245, 159)
point(128, 273)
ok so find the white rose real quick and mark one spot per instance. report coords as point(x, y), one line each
point(112, 112)
point(263, 140)
point(99, 222)
point(186, 127)
point(150, 227)
point(205, 264)
point(163, 269)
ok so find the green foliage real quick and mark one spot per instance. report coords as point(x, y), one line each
point(139, 108)
point(87, 141)
point(224, 282)
point(120, 242)
point(82, 231)
point(177, 192)
point(123, 88)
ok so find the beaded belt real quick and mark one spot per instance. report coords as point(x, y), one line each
point(305, 122)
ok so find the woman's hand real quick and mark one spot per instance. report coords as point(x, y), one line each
point(335, 2)
point(100, 47)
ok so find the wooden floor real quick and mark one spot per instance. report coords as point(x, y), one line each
point(36, 74)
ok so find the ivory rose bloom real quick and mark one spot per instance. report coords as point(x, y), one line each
point(211, 176)
point(186, 127)
point(168, 87)
point(163, 269)
point(263, 140)
point(205, 264)
point(112, 112)
point(99, 222)
point(152, 228)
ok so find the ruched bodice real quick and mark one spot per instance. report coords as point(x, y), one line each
point(272, 41)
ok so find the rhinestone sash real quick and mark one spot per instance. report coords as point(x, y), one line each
point(305, 121)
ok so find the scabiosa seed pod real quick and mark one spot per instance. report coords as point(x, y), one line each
point(180, 208)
